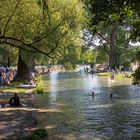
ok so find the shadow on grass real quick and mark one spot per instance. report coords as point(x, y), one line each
point(18, 122)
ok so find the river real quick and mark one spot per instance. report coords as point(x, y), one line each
point(79, 116)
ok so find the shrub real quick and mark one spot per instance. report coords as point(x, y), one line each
point(41, 133)
point(69, 66)
point(30, 137)
point(37, 134)
point(40, 85)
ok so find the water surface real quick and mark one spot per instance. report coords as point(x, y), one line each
point(79, 116)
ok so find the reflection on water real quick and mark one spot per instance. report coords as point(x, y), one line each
point(83, 117)
point(53, 87)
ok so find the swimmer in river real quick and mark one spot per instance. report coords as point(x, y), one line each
point(110, 95)
point(93, 94)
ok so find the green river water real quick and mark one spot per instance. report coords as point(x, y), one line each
point(79, 116)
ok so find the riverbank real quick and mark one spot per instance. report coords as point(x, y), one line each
point(16, 121)
point(118, 77)
point(20, 123)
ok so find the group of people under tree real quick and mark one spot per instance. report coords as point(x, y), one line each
point(6, 76)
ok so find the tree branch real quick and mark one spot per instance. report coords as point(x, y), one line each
point(56, 44)
point(28, 23)
point(4, 31)
point(10, 39)
point(102, 37)
point(45, 7)
point(104, 47)
point(45, 36)
point(16, 46)
point(3, 17)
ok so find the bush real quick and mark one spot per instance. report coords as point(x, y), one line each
point(31, 137)
point(41, 133)
point(69, 66)
point(37, 134)
point(40, 85)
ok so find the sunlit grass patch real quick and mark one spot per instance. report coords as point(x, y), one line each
point(104, 74)
point(120, 77)
point(11, 89)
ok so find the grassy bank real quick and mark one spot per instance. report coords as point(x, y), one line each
point(118, 77)
point(11, 89)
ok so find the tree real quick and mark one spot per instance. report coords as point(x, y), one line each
point(38, 29)
point(8, 56)
point(111, 15)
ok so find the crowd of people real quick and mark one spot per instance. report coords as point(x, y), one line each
point(6, 76)
point(113, 72)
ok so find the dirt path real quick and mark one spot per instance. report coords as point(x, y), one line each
point(15, 122)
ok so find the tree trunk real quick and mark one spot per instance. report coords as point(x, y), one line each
point(8, 61)
point(112, 54)
point(23, 70)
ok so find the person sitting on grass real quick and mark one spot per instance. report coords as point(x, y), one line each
point(14, 101)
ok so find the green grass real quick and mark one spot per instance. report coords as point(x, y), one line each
point(14, 88)
point(103, 74)
point(118, 77)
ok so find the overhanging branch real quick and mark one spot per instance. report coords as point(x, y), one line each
point(45, 36)
point(57, 42)
point(16, 46)
point(5, 27)
point(7, 40)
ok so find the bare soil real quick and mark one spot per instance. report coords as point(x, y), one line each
point(15, 122)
